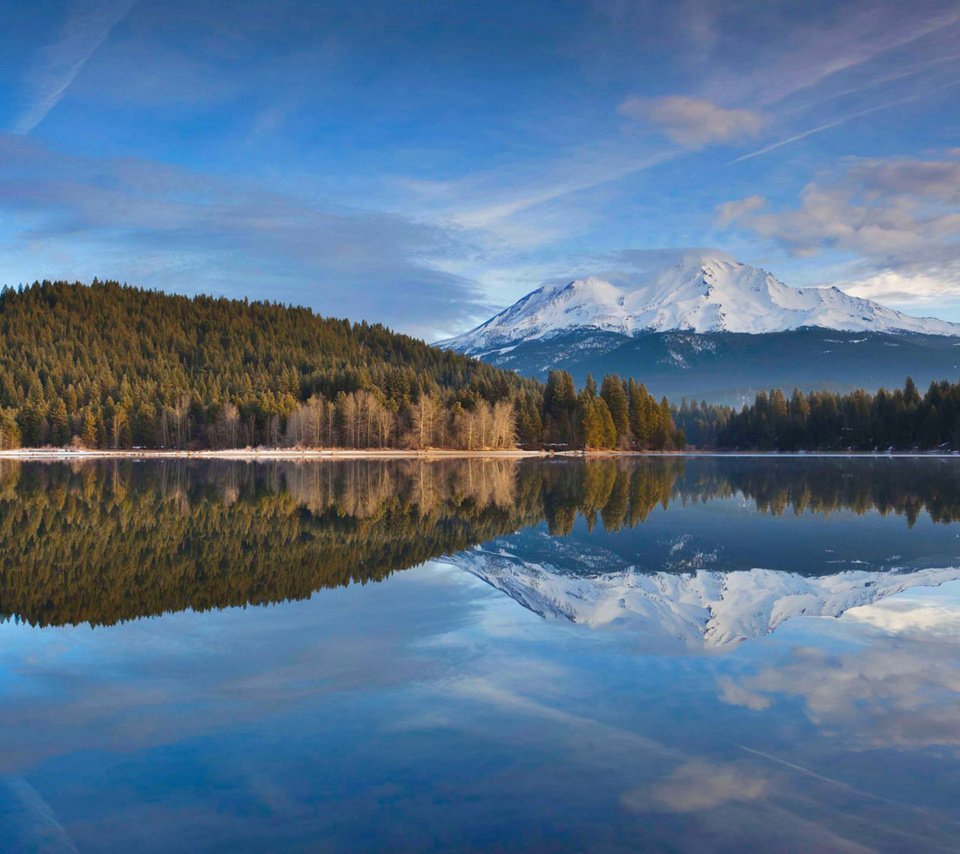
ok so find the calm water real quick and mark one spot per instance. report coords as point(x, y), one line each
point(694, 655)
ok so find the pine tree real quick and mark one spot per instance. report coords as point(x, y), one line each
point(88, 428)
point(9, 430)
point(614, 395)
point(559, 408)
point(59, 424)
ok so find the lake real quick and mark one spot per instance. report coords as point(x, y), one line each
point(686, 654)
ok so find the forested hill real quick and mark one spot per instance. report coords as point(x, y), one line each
point(111, 366)
point(117, 365)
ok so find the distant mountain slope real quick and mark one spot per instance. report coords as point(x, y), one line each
point(711, 327)
point(725, 367)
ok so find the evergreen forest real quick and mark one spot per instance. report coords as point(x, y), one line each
point(897, 420)
point(113, 366)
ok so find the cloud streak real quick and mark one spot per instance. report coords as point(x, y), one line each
point(819, 53)
point(87, 27)
point(842, 121)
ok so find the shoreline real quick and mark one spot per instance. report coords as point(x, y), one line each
point(332, 454)
point(260, 454)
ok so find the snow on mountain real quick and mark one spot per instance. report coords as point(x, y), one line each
point(702, 292)
point(699, 609)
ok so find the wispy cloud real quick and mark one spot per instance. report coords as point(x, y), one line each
point(509, 201)
point(521, 209)
point(817, 54)
point(919, 67)
point(88, 25)
point(181, 230)
point(694, 122)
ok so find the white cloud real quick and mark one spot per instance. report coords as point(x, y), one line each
point(736, 695)
point(835, 217)
point(938, 179)
point(902, 691)
point(912, 618)
point(890, 286)
point(896, 217)
point(694, 122)
point(739, 208)
point(698, 785)
point(877, 208)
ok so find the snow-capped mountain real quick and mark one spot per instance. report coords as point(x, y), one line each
point(707, 327)
point(699, 609)
point(703, 292)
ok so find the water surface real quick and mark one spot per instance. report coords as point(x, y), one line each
point(686, 654)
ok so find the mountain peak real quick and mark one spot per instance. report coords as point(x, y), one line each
point(703, 291)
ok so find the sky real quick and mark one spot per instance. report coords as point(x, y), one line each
point(425, 164)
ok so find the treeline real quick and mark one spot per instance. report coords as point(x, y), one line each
point(826, 485)
point(901, 419)
point(112, 366)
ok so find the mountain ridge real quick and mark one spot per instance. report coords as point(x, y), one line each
point(707, 327)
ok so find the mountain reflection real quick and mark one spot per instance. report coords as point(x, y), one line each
point(103, 542)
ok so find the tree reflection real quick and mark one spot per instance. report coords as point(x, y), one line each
point(102, 542)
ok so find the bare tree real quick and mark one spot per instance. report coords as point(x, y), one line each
point(425, 414)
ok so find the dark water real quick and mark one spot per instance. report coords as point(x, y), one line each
point(694, 655)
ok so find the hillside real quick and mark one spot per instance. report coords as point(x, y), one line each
point(117, 366)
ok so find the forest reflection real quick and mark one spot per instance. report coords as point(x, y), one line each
point(104, 542)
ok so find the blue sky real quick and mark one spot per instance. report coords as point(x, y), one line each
point(426, 163)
